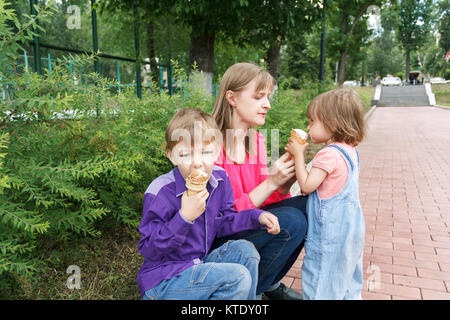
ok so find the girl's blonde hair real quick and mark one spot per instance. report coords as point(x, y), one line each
point(341, 112)
point(236, 78)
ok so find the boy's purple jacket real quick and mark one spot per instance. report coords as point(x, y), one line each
point(169, 243)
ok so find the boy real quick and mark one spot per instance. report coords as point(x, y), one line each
point(178, 230)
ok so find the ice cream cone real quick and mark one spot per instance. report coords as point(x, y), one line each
point(196, 182)
point(299, 136)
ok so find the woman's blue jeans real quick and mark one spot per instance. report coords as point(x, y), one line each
point(277, 252)
point(229, 272)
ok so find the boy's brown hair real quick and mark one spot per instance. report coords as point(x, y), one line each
point(341, 112)
point(186, 120)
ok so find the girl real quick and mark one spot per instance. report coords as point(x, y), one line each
point(332, 267)
point(242, 104)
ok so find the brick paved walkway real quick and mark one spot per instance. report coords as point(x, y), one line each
point(405, 194)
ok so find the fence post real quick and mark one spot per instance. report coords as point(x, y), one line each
point(36, 48)
point(169, 79)
point(136, 46)
point(25, 57)
point(94, 36)
point(95, 44)
point(322, 44)
point(118, 75)
point(49, 64)
point(161, 79)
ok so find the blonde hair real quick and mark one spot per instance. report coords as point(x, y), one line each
point(236, 78)
point(185, 119)
point(341, 112)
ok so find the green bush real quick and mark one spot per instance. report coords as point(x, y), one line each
point(72, 154)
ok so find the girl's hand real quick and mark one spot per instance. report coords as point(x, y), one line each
point(295, 148)
point(282, 170)
point(270, 221)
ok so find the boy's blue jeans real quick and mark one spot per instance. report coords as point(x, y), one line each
point(229, 272)
point(278, 252)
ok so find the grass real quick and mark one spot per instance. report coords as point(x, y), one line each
point(366, 94)
point(108, 264)
point(108, 268)
point(442, 94)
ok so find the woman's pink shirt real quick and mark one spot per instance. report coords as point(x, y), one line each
point(247, 176)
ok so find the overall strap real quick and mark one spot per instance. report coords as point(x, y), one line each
point(345, 154)
point(357, 155)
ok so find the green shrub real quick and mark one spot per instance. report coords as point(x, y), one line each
point(74, 154)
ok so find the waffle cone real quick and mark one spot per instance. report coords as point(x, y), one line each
point(195, 188)
point(196, 182)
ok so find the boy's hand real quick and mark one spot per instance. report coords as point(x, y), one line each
point(295, 148)
point(270, 221)
point(192, 207)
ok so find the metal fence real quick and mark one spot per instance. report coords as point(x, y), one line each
point(165, 82)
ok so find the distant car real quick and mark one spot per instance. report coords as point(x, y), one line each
point(351, 83)
point(391, 81)
point(437, 80)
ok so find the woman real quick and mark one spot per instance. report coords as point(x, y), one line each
point(242, 104)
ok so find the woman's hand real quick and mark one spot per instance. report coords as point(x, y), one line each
point(270, 221)
point(285, 188)
point(282, 170)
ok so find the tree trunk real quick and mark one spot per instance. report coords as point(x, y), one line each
point(407, 64)
point(151, 51)
point(344, 22)
point(202, 54)
point(444, 66)
point(342, 64)
point(273, 59)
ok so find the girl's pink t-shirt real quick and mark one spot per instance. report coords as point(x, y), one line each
point(247, 176)
point(333, 162)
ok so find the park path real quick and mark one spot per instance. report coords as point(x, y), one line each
point(405, 195)
point(403, 96)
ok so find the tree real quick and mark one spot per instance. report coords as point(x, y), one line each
point(413, 26)
point(347, 31)
point(206, 18)
point(430, 59)
point(147, 11)
point(252, 22)
point(385, 54)
point(444, 31)
point(300, 59)
point(272, 22)
point(227, 52)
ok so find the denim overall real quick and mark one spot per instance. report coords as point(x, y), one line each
point(332, 267)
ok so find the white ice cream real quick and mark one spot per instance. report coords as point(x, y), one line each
point(302, 134)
